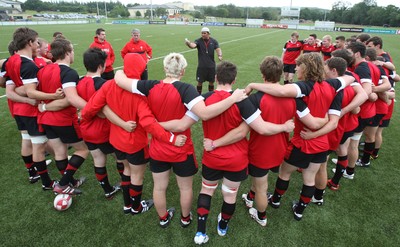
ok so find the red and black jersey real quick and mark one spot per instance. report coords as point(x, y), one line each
point(233, 157)
point(129, 107)
point(21, 70)
point(368, 73)
point(389, 73)
point(52, 77)
point(169, 101)
point(381, 106)
point(98, 129)
point(291, 51)
point(307, 48)
point(351, 119)
point(327, 51)
point(107, 48)
point(390, 110)
point(347, 122)
point(8, 81)
point(266, 152)
point(320, 99)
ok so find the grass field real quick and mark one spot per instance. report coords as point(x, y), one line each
point(363, 212)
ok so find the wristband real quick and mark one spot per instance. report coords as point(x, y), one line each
point(44, 107)
point(212, 145)
point(172, 138)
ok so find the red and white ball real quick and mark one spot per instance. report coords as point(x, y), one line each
point(62, 202)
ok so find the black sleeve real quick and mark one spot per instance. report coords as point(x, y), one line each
point(363, 72)
point(246, 108)
point(305, 87)
point(255, 99)
point(98, 82)
point(336, 104)
point(335, 83)
point(300, 105)
point(29, 71)
point(383, 72)
point(144, 86)
point(386, 57)
point(187, 92)
point(69, 75)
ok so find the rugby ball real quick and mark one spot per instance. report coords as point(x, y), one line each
point(62, 202)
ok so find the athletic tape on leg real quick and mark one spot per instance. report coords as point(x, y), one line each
point(209, 186)
point(228, 189)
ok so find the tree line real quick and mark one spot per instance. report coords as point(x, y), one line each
point(364, 13)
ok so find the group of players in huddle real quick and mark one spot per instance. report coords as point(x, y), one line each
point(332, 104)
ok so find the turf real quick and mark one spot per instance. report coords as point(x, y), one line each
point(363, 212)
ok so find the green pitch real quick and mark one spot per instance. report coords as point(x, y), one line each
point(363, 212)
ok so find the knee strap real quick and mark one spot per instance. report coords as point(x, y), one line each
point(228, 189)
point(209, 186)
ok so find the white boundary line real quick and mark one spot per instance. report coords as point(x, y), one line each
point(192, 50)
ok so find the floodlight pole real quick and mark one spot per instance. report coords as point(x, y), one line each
point(97, 4)
point(151, 9)
point(105, 8)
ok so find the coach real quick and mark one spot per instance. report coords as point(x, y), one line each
point(206, 63)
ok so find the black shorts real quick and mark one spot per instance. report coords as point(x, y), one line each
point(105, 147)
point(257, 172)
point(375, 120)
point(29, 124)
point(384, 123)
point(139, 158)
point(67, 134)
point(108, 75)
point(362, 123)
point(289, 68)
point(205, 74)
point(300, 159)
point(185, 168)
point(214, 175)
point(346, 135)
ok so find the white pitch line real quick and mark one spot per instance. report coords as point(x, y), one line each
point(192, 50)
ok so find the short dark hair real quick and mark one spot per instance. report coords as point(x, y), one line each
point(342, 38)
point(22, 36)
point(371, 53)
point(337, 63)
point(12, 48)
point(376, 41)
point(345, 54)
point(93, 58)
point(357, 47)
point(59, 48)
point(226, 72)
point(271, 68)
point(55, 34)
point(363, 37)
point(313, 35)
point(99, 30)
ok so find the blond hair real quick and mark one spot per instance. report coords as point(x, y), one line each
point(174, 64)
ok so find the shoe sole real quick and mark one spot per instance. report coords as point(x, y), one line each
point(255, 218)
point(296, 217)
